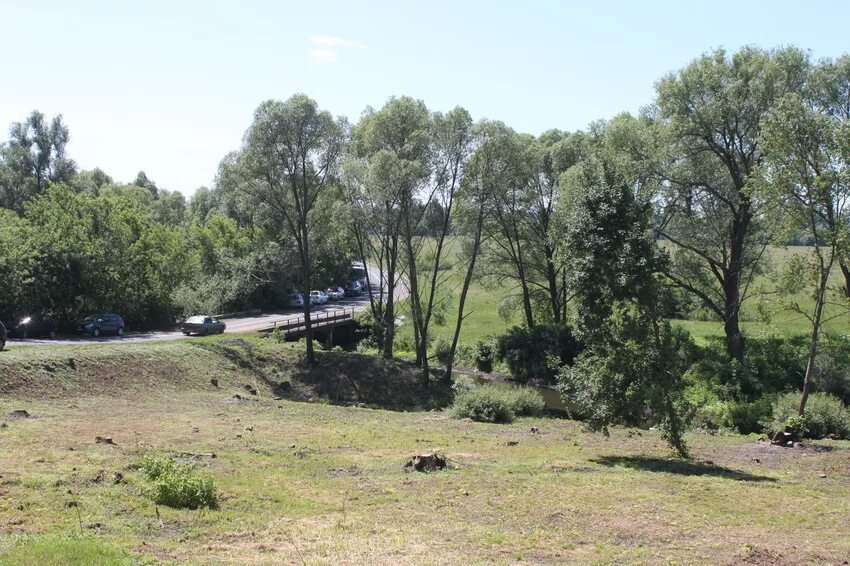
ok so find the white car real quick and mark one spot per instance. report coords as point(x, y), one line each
point(318, 298)
point(296, 300)
point(335, 293)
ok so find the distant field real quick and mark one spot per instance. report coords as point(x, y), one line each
point(483, 302)
point(316, 483)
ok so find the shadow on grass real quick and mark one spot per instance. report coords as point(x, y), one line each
point(680, 467)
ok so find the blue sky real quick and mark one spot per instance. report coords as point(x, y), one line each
point(170, 87)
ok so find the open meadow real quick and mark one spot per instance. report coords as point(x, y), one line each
point(324, 482)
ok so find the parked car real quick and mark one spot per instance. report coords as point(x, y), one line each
point(35, 325)
point(318, 298)
point(296, 300)
point(353, 289)
point(202, 325)
point(2, 336)
point(100, 324)
point(335, 293)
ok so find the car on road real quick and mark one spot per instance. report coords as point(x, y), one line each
point(296, 300)
point(100, 324)
point(335, 293)
point(2, 336)
point(357, 272)
point(33, 326)
point(318, 298)
point(202, 325)
point(353, 289)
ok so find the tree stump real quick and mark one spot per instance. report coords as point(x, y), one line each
point(426, 463)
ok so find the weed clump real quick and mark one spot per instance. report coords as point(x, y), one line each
point(173, 485)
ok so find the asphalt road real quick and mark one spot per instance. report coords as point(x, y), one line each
point(256, 323)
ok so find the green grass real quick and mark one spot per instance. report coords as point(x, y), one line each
point(64, 550)
point(320, 483)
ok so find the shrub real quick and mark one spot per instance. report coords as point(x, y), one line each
point(494, 403)
point(748, 417)
point(442, 349)
point(824, 415)
point(173, 485)
point(528, 352)
point(485, 352)
point(525, 401)
point(486, 403)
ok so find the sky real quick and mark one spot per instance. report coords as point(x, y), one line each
point(170, 87)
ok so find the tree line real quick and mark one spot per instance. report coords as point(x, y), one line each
point(610, 229)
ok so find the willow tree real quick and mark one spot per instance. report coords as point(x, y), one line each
point(289, 156)
point(393, 146)
point(710, 115)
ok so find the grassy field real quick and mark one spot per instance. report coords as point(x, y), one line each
point(321, 483)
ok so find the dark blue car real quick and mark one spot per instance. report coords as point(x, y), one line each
point(100, 324)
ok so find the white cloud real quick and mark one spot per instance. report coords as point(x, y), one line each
point(327, 47)
point(324, 55)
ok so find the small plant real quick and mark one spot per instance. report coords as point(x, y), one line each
point(173, 485)
point(796, 425)
point(277, 335)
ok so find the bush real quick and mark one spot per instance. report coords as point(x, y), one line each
point(525, 401)
point(484, 404)
point(493, 403)
point(442, 348)
point(485, 353)
point(174, 486)
point(529, 352)
point(825, 415)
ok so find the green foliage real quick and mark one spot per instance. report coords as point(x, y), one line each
point(825, 415)
point(530, 352)
point(174, 485)
point(494, 403)
point(63, 550)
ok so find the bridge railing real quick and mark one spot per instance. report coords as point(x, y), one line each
point(317, 320)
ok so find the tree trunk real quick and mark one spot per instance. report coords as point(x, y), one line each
point(732, 283)
point(308, 324)
point(845, 271)
point(552, 278)
point(389, 312)
point(467, 281)
point(820, 300)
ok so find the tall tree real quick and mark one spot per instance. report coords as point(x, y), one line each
point(710, 113)
point(828, 93)
point(290, 154)
point(508, 255)
point(33, 157)
point(393, 145)
point(631, 367)
point(488, 166)
point(452, 139)
point(807, 172)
